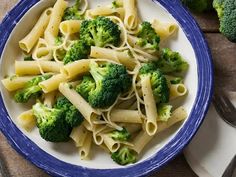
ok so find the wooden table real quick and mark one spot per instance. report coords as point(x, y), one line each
point(224, 56)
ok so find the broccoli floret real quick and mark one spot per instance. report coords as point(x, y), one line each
point(171, 61)
point(72, 13)
point(31, 90)
point(58, 40)
point(124, 156)
point(226, 10)
point(148, 39)
point(122, 135)
point(72, 115)
point(28, 58)
point(158, 81)
point(198, 5)
point(51, 123)
point(78, 50)
point(176, 80)
point(99, 32)
point(88, 84)
point(111, 80)
point(164, 112)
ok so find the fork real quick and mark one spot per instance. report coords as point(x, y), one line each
point(224, 107)
point(227, 112)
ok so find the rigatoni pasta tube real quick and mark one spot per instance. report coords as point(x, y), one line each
point(70, 26)
point(53, 26)
point(164, 30)
point(76, 68)
point(78, 101)
point(52, 83)
point(126, 116)
point(121, 57)
point(150, 105)
point(111, 144)
point(15, 82)
point(106, 11)
point(31, 39)
point(49, 99)
point(178, 115)
point(32, 67)
point(78, 135)
point(140, 141)
point(177, 90)
point(27, 120)
point(131, 15)
point(85, 149)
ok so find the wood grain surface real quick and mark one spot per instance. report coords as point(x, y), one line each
point(224, 58)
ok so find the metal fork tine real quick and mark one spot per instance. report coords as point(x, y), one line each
point(225, 108)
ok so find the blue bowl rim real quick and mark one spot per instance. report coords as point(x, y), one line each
point(56, 167)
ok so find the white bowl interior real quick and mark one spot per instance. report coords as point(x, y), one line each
point(66, 151)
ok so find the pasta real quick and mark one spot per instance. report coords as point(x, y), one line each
point(30, 40)
point(33, 67)
point(70, 27)
point(99, 77)
point(150, 106)
point(53, 27)
point(164, 29)
point(14, 82)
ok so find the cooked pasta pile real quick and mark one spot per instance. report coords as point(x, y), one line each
point(99, 77)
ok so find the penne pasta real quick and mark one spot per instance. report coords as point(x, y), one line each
point(131, 15)
point(76, 68)
point(70, 27)
point(85, 109)
point(164, 30)
point(52, 83)
point(78, 135)
point(111, 144)
point(52, 29)
point(126, 116)
point(107, 11)
point(150, 106)
point(33, 67)
point(120, 57)
point(31, 39)
point(85, 149)
point(14, 83)
point(27, 120)
point(177, 90)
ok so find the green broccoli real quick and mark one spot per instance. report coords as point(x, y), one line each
point(28, 58)
point(171, 61)
point(148, 39)
point(176, 80)
point(72, 116)
point(110, 80)
point(124, 156)
point(198, 5)
point(31, 90)
point(58, 40)
point(99, 32)
point(158, 81)
point(51, 123)
point(122, 135)
point(72, 13)
point(226, 10)
point(164, 112)
point(78, 50)
point(88, 84)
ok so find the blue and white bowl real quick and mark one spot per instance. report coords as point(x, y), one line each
point(62, 159)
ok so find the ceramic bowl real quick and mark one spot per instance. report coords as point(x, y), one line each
point(62, 159)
